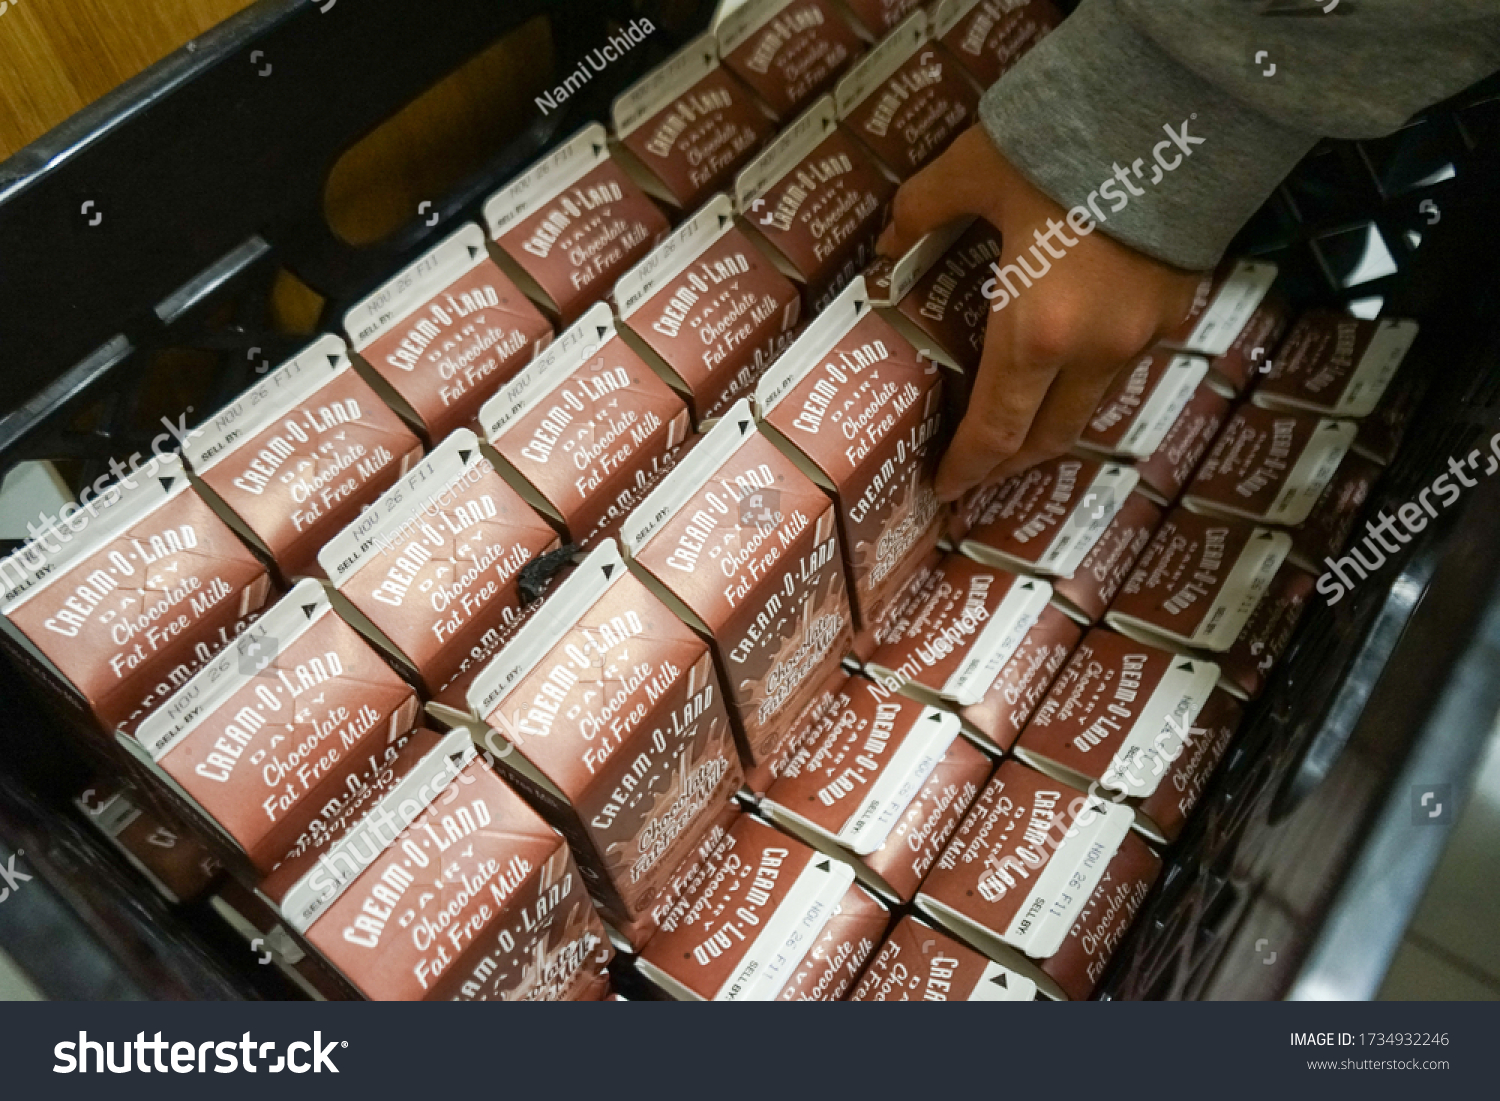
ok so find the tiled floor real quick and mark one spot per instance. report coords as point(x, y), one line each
point(1451, 950)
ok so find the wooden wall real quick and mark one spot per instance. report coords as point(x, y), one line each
point(58, 56)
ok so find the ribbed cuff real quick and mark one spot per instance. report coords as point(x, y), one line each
point(1097, 94)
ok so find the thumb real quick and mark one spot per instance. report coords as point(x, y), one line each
point(935, 196)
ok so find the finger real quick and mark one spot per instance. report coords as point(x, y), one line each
point(931, 199)
point(1071, 400)
point(1008, 391)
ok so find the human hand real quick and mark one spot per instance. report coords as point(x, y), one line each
point(1052, 349)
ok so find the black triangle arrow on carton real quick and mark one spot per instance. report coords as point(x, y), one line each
point(456, 759)
point(598, 149)
point(745, 426)
point(334, 361)
point(1028, 587)
point(859, 305)
point(609, 569)
point(1001, 981)
point(825, 866)
point(473, 252)
point(167, 483)
point(1267, 534)
point(602, 331)
point(309, 610)
point(1186, 667)
point(935, 717)
point(723, 220)
point(463, 456)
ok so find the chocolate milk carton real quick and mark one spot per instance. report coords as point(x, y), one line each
point(607, 713)
point(1043, 879)
point(1250, 356)
point(1199, 582)
point(1174, 462)
point(260, 929)
point(989, 36)
point(919, 964)
point(687, 126)
point(586, 431)
point(1045, 521)
point(176, 864)
point(816, 200)
point(1226, 302)
point(1135, 721)
point(1086, 595)
point(871, 637)
point(744, 547)
point(451, 888)
point(973, 622)
point(708, 311)
point(935, 293)
point(1270, 466)
point(1383, 431)
point(1337, 365)
point(905, 100)
point(114, 617)
point(877, 18)
point(430, 572)
point(265, 737)
point(788, 51)
point(365, 802)
point(825, 706)
point(772, 920)
point(1246, 667)
point(859, 411)
point(445, 334)
point(883, 787)
point(300, 454)
point(1326, 532)
point(976, 640)
point(1142, 404)
point(568, 226)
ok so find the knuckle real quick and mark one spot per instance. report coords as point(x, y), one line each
point(1052, 443)
point(1140, 333)
point(998, 439)
point(906, 208)
point(1043, 347)
point(1048, 336)
point(1131, 336)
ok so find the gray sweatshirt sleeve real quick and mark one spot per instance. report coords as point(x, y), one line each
point(1093, 101)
